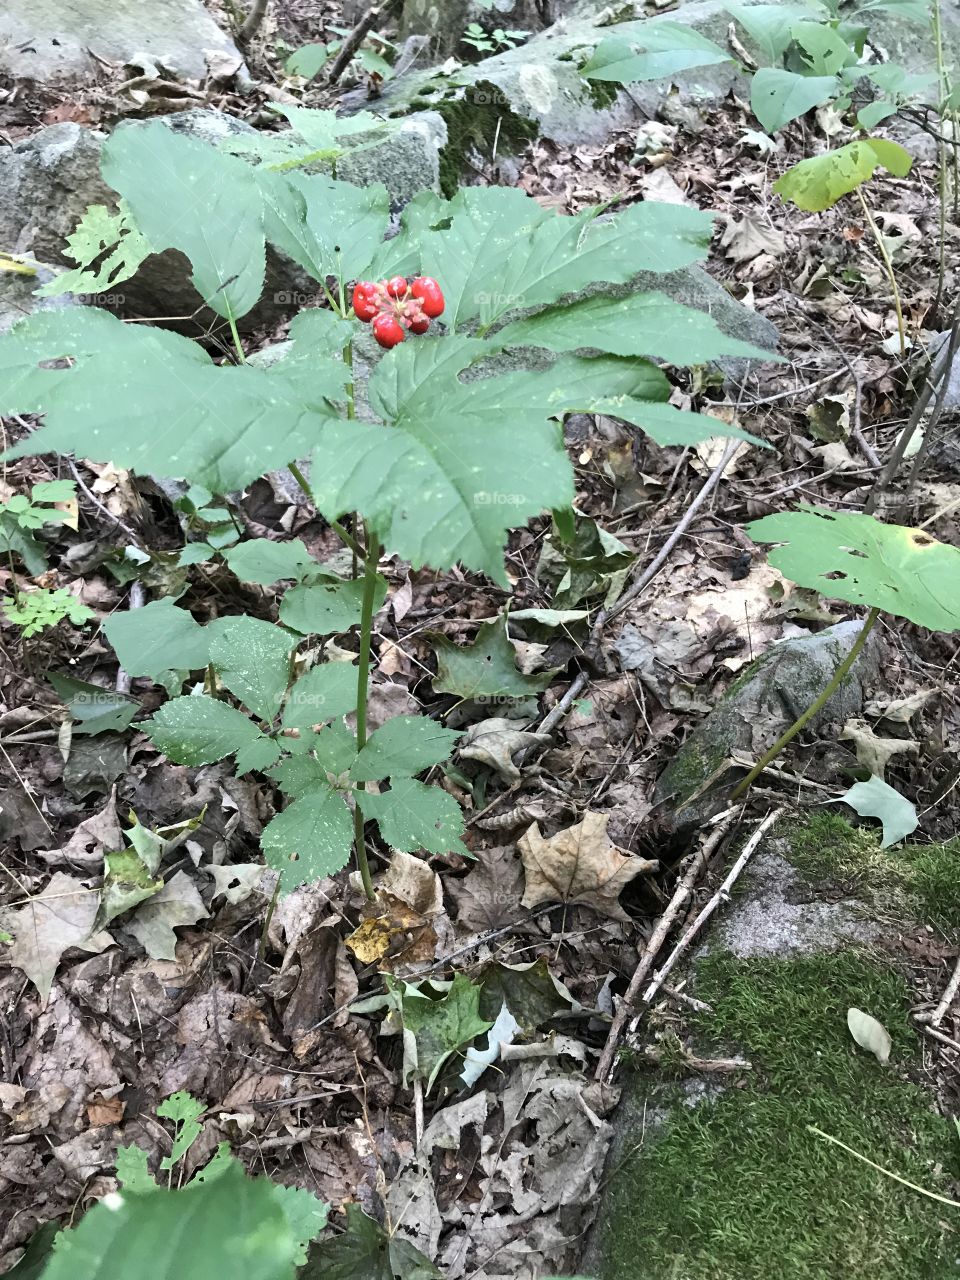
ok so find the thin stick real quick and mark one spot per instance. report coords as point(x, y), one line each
point(363, 680)
point(888, 264)
point(817, 705)
point(355, 39)
point(680, 895)
point(258, 11)
point(953, 986)
point(722, 895)
point(928, 435)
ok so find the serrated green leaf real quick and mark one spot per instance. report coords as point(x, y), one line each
point(306, 1217)
point(485, 669)
point(92, 708)
point(819, 182)
point(223, 425)
point(877, 799)
point(326, 609)
point(253, 660)
point(324, 693)
point(184, 1110)
point(259, 755)
point(235, 1226)
point(770, 25)
point(412, 815)
point(404, 745)
point(851, 556)
point(100, 232)
point(226, 243)
point(132, 1172)
point(665, 49)
point(365, 1251)
point(499, 250)
point(310, 839)
point(264, 561)
point(825, 52)
point(779, 96)
point(643, 324)
point(200, 730)
point(439, 1027)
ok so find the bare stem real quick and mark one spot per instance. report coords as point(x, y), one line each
point(817, 705)
point(888, 264)
point(363, 682)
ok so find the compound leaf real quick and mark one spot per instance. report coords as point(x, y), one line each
point(403, 746)
point(851, 556)
point(310, 839)
point(412, 815)
point(184, 1110)
point(324, 693)
point(326, 609)
point(200, 730)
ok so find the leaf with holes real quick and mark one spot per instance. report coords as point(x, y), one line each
point(819, 182)
point(200, 730)
point(310, 839)
point(253, 660)
point(854, 557)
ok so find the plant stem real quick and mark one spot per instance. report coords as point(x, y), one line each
point(363, 682)
point(943, 88)
point(235, 334)
point(335, 525)
point(817, 705)
point(884, 254)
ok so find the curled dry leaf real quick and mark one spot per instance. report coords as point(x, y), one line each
point(869, 1034)
point(397, 929)
point(494, 742)
point(579, 864)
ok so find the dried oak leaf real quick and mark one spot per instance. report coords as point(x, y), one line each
point(579, 864)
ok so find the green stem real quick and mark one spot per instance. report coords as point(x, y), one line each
point(943, 88)
point(816, 706)
point(363, 683)
point(236, 339)
point(335, 525)
point(888, 264)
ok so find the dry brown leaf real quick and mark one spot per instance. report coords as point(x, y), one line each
point(48, 925)
point(579, 864)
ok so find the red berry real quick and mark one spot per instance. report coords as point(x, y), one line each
point(396, 286)
point(387, 330)
point(365, 305)
point(430, 294)
point(419, 324)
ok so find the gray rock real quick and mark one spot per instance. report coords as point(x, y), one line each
point(56, 40)
point(765, 700)
point(17, 297)
point(407, 161)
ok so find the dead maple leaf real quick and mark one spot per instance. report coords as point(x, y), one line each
point(52, 922)
point(579, 864)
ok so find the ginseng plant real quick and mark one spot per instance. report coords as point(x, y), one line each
point(454, 438)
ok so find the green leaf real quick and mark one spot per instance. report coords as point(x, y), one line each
point(365, 1251)
point(234, 1225)
point(327, 608)
point(259, 755)
point(412, 815)
point(156, 639)
point(264, 561)
point(869, 117)
point(92, 708)
point(485, 669)
point(819, 182)
point(668, 425)
point(877, 799)
point(308, 60)
point(324, 693)
point(666, 50)
point(643, 324)
point(306, 1216)
point(770, 26)
point(126, 883)
point(37, 1253)
point(778, 96)
point(184, 1110)
point(200, 730)
point(100, 232)
point(310, 839)
point(854, 557)
point(439, 1027)
point(132, 1172)
point(498, 250)
point(223, 425)
point(825, 51)
point(225, 243)
point(253, 660)
point(403, 746)
point(22, 543)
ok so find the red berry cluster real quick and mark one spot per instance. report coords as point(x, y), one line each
point(394, 305)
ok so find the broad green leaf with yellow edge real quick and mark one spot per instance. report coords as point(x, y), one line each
point(818, 183)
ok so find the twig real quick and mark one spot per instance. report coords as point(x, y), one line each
point(101, 507)
point(355, 39)
point(953, 342)
point(680, 895)
point(134, 601)
point(953, 986)
point(254, 20)
point(722, 895)
point(887, 1173)
point(938, 1035)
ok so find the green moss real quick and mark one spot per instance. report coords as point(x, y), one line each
point(734, 1187)
point(913, 881)
point(479, 121)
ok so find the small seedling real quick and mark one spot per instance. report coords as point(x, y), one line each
point(39, 610)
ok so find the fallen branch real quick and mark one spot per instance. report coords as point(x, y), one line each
point(355, 39)
point(698, 862)
point(953, 986)
point(254, 20)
